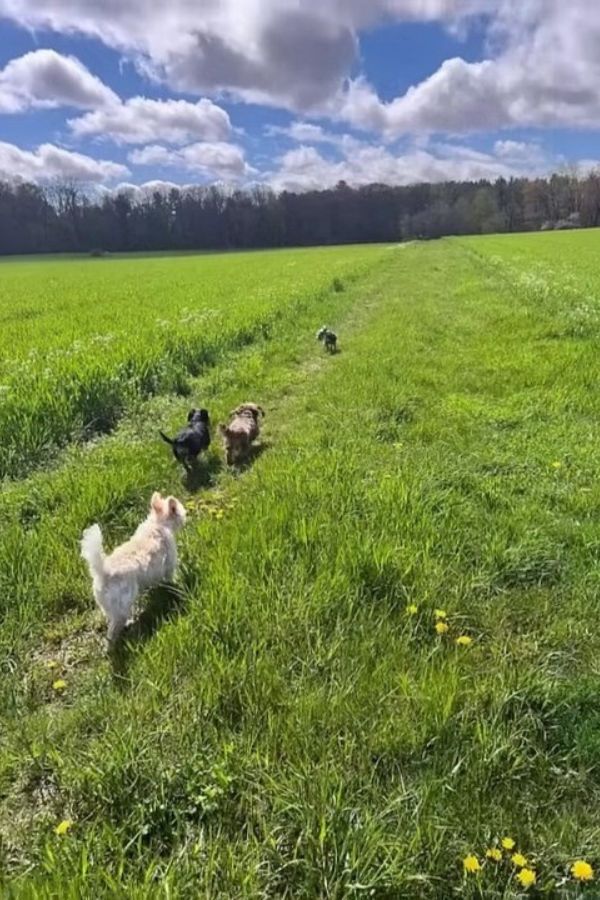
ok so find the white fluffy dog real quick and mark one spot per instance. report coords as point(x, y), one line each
point(146, 559)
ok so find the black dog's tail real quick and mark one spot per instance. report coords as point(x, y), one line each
point(165, 438)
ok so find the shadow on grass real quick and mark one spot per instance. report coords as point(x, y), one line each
point(202, 474)
point(255, 452)
point(164, 603)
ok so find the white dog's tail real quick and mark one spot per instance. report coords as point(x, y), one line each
point(93, 551)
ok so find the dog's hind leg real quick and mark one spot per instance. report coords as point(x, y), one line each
point(116, 626)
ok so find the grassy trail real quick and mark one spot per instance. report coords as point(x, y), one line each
point(296, 727)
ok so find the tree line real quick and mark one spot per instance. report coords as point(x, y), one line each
point(66, 218)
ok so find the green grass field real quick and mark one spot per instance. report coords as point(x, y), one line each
point(290, 722)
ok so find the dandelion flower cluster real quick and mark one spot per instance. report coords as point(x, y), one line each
point(523, 872)
point(63, 827)
point(59, 685)
point(441, 627)
point(440, 614)
point(412, 610)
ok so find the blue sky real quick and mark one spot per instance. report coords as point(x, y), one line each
point(296, 95)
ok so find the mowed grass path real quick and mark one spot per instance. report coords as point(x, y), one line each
point(290, 724)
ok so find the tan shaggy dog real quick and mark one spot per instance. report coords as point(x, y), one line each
point(243, 428)
point(146, 559)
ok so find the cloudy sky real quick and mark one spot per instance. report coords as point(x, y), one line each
point(296, 93)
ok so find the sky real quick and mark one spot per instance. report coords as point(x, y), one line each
point(296, 94)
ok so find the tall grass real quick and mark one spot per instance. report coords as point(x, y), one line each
point(290, 724)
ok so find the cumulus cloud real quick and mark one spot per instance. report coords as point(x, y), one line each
point(49, 163)
point(44, 78)
point(541, 65)
point(300, 131)
point(546, 72)
point(211, 159)
point(523, 152)
point(140, 120)
point(139, 192)
point(307, 133)
point(280, 52)
point(305, 168)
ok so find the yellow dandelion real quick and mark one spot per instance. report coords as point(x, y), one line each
point(471, 864)
point(412, 610)
point(440, 614)
point(63, 827)
point(556, 465)
point(59, 685)
point(464, 640)
point(526, 878)
point(519, 860)
point(494, 853)
point(508, 843)
point(582, 871)
point(441, 627)
point(52, 664)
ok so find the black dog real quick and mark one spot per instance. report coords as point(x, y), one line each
point(328, 337)
point(192, 439)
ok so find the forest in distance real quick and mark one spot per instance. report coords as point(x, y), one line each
point(64, 218)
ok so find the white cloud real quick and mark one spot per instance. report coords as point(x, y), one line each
point(306, 169)
point(225, 160)
point(153, 155)
point(307, 133)
point(279, 52)
point(49, 163)
point(546, 72)
point(542, 66)
point(140, 120)
point(139, 192)
point(521, 152)
point(299, 131)
point(207, 158)
point(44, 78)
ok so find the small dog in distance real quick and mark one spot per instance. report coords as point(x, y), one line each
point(145, 560)
point(191, 440)
point(328, 338)
point(242, 429)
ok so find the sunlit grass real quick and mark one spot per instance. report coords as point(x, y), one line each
point(83, 340)
point(290, 723)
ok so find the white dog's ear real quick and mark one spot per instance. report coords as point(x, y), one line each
point(173, 506)
point(157, 503)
